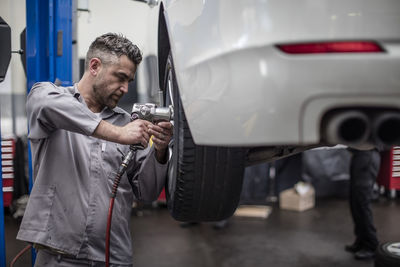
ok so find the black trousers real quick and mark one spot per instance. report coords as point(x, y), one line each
point(363, 172)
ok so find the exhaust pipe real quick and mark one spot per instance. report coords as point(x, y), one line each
point(386, 129)
point(348, 127)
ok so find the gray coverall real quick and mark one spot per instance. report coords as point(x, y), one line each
point(73, 175)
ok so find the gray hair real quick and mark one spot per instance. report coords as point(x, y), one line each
point(110, 45)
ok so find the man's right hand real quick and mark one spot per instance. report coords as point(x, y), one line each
point(135, 132)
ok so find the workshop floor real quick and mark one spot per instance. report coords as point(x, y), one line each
point(311, 238)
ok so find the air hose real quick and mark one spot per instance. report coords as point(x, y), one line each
point(20, 254)
point(121, 170)
point(149, 112)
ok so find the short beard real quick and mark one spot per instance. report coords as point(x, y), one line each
point(100, 98)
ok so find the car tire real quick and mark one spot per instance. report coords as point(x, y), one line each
point(388, 255)
point(204, 182)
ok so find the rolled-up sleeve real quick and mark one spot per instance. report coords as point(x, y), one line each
point(148, 182)
point(50, 108)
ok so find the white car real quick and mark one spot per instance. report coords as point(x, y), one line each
point(256, 80)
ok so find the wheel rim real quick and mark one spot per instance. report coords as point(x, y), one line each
point(170, 86)
point(169, 100)
point(394, 248)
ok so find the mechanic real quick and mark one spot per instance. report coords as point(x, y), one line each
point(77, 136)
point(364, 169)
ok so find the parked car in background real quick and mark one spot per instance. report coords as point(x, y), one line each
point(257, 80)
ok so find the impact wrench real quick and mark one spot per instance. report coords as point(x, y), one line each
point(149, 112)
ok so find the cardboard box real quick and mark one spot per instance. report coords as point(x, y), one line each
point(291, 199)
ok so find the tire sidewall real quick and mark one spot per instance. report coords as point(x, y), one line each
point(386, 258)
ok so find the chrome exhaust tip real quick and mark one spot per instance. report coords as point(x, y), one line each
point(348, 127)
point(386, 129)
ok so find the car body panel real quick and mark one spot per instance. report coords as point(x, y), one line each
point(235, 82)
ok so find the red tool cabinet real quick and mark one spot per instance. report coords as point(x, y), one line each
point(162, 197)
point(389, 173)
point(7, 168)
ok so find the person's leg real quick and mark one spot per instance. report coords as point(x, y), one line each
point(365, 166)
point(43, 259)
point(356, 245)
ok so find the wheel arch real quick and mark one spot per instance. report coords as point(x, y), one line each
point(163, 44)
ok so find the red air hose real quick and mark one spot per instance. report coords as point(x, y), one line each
point(20, 254)
point(117, 179)
point(110, 210)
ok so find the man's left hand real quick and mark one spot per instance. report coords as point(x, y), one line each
point(162, 135)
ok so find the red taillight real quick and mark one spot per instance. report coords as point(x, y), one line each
point(331, 47)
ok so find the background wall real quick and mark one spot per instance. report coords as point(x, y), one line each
point(136, 20)
point(111, 16)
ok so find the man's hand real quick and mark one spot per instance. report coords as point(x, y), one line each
point(136, 132)
point(162, 135)
point(132, 133)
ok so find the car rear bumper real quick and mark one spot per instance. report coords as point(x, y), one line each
point(260, 96)
point(238, 89)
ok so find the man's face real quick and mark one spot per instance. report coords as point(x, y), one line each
point(112, 81)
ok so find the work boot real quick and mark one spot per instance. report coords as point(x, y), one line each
point(364, 254)
point(220, 225)
point(353, 248)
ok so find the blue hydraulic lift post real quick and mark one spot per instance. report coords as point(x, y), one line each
point(48, 48)
point(49, 41)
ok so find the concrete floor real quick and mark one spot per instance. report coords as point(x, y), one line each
point(311, 238)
